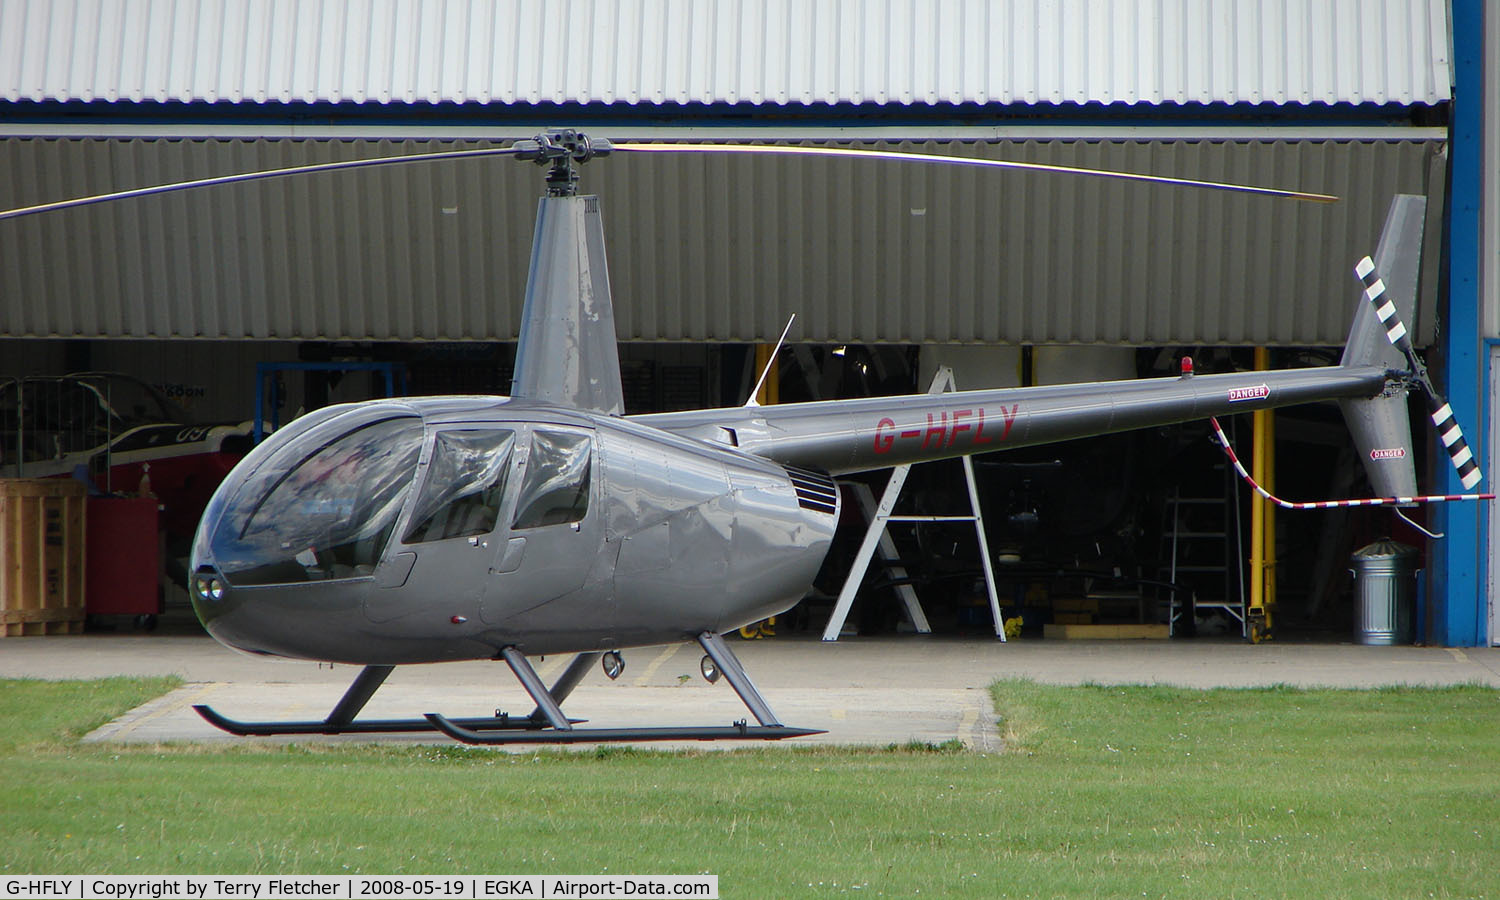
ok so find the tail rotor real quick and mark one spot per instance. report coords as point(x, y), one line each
point(1381, 425)
point(1448, 429)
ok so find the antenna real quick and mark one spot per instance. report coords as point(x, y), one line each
point(755, 392)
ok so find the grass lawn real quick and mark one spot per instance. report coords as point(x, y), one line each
point(1103, 791)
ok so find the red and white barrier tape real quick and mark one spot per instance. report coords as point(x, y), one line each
point(1333, 504)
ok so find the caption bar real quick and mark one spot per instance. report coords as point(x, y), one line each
point(344, 887)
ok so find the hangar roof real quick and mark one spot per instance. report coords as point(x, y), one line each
point(758, 52)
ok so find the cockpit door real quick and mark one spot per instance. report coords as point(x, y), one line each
point(553, 536)
point(439, 563)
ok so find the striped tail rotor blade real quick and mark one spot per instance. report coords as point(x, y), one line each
point(1453, 440)
point(1442, 414)
point(1385, 308)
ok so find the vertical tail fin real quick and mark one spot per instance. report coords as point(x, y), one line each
point(1381, 426)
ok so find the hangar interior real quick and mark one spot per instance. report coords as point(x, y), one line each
point(892, 270)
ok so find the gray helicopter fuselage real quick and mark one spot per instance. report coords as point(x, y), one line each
point(439, 529)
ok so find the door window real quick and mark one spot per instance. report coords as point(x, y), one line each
point(555, 490)
point(465, 484)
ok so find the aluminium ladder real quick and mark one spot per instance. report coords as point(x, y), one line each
point(878, 538)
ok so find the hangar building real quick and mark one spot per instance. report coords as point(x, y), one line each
point(1009, 278)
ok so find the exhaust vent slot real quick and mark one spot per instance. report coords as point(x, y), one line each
point(815, 491)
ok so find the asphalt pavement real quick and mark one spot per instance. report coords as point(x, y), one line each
point(861, 690)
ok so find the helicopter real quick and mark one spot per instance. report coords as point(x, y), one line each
point(430, 529)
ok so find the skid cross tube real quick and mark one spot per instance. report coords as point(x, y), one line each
point(769, 729)
point(734, 673)
point(545, 703)
point(570, 677)
point(366, 683)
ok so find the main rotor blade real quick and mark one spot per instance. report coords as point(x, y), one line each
point(902, 156)
point(252, 176)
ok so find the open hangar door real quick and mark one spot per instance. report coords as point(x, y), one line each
point(1079, 532)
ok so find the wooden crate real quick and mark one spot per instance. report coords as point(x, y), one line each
point(41, 556)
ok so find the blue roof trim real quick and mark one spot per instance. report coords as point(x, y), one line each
point(737, 115)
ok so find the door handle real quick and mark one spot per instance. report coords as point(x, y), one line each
point(511, 560)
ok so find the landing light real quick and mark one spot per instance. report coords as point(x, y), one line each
point(208, 587)
point(710, 669)
point(613, 664)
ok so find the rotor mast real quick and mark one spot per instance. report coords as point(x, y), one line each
point(567, 353)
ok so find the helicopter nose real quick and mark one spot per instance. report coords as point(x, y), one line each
point(299, 621)
point(215, 602)
point(289, 544)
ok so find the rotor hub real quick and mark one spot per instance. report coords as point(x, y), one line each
point(559, 151)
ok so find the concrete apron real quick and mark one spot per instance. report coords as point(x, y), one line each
point(661, 686)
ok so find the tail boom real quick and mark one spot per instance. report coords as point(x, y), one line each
point(845, 436)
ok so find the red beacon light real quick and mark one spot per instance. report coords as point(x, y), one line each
point(1187, 367)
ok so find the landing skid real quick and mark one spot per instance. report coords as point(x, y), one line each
point(738, 731)
point(341, 719)
point(369, 726)
point(545, 725)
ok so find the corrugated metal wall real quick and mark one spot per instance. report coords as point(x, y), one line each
point(749, 51)
point(708, 247)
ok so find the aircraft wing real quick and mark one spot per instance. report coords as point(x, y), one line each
point(843, 436)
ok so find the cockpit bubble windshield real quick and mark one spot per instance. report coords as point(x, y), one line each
point(324, 514)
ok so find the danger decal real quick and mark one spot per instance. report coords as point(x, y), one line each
point(1257, 392)
point(1390, 453)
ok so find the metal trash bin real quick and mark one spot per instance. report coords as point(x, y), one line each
point(1384, 592)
